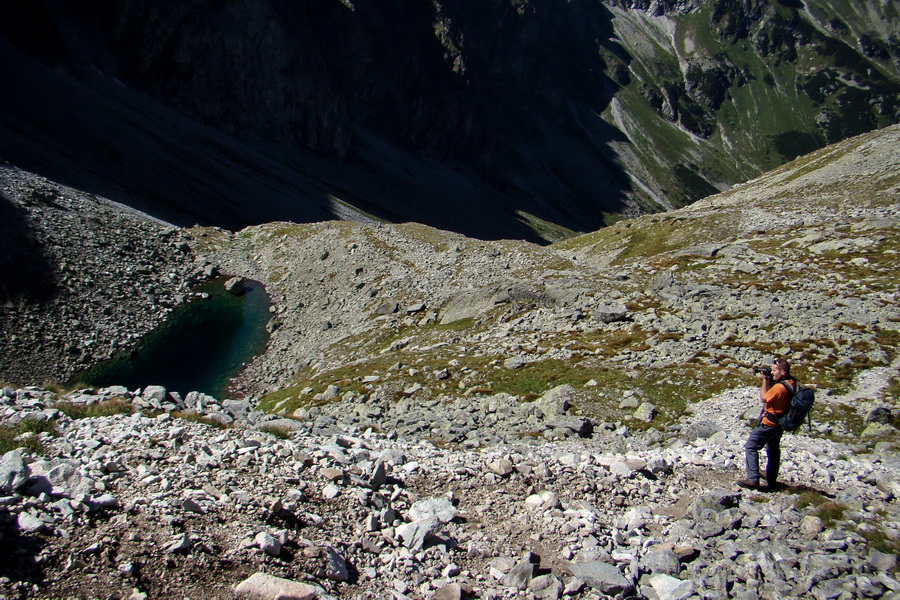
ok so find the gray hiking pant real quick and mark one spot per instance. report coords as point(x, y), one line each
point(770, 438)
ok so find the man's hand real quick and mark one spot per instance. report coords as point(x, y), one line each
point(766, 384)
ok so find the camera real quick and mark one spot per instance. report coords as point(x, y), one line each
point(763, 369)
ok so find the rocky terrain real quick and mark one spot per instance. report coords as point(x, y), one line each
point(437, 416)
point(147, 505)
point(81, 277)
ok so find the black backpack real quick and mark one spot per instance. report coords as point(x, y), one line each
point(802, 399)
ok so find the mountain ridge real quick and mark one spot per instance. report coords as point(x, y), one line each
point(549, 120)
point(833, 211)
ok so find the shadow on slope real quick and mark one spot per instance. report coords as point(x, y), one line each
point(487, 145)
point(20, 552)
point(25, 271)
point(97, 136)
point(91, 133)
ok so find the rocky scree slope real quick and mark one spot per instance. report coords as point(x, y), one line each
point(80, 277)
point(147, 505)
point(583, 403)
point(799, 263)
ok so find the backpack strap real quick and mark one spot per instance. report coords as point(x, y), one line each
point(790, 388)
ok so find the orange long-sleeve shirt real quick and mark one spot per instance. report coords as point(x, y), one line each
point(776, 401)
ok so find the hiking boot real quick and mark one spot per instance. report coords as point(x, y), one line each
point(749, 484)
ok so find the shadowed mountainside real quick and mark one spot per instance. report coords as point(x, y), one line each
point(94, 134)
point(528, 119)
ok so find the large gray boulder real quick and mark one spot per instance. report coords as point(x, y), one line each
point(601, 576)
point(880, 414)
point(645, 412)
point(261, 586)
point(236, 286)
point(611, 313)
point(415, 534)
point(663, 560)
point(670, 290)
point(336, 565)
point(14, 473)
point(716, 501)
point(557, 401)
point(470, 304)
point(155, 393)
point(440, 508)
point(520, 575)
point(473, 303)
point(68, 481)
point(671, 588)
point(702, 430)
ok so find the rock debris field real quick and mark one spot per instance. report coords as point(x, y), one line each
point(135, 506)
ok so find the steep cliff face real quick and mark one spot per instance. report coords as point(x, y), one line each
point(457, 81)
point(562, 111)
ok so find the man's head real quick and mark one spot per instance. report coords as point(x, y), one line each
point(780, 369)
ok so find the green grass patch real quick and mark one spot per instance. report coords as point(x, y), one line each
point(535, 378)
point(837, 374)
point(286, 398)
point(61, 389)
point(548, 231)
point(892, 391)
point(30, 428)
point(458, 325)
point(279, 431)
point(208, 239)
point(602, 238)
point(809, 498)
point(439, 240)
point(649, 241)
point(830, 512)
point(876, 538)
point(823, 507)
point(104, 408)
point(652, 236)
point(844, 417)
point(590, 356)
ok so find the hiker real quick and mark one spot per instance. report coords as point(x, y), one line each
point(775, 392)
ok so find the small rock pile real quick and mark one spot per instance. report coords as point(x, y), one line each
point(471, 421)
point(146, 504)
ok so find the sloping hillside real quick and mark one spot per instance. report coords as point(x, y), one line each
point(799, 262)
point(718, 92)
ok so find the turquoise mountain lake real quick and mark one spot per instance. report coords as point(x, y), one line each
point(201, 346)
